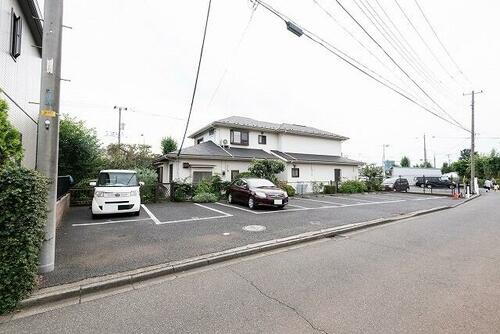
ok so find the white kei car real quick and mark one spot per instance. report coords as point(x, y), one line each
point(116, 191)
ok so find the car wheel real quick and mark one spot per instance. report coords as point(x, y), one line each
point(230, 199)
point(422, 185)
point(451, 187)
point(251, 203)
point(94, 216)
point(429, 186)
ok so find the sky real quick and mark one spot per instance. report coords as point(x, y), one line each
point(143, 56)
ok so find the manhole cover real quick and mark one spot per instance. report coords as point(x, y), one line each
point(254, 228)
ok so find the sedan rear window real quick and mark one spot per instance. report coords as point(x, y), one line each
point(117, 180)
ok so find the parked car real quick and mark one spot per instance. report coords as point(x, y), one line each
point(396, 184)
point(257, 192)
point(116, 191)
point(439, 182)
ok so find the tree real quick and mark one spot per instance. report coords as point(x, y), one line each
point(405, 162)
point(80, 153)
point(446, 168)
point(168, 145)
point(374, 175)
point(11, 148)
point(127, 156)
point(426, 164)
point(266, 169)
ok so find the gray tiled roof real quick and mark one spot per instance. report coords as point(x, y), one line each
point(249, 123)
point(249, 153)
point(304, 157)
point(210, 150)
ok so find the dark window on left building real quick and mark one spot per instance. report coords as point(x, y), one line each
point(262, 139)
point(16, 33)
point(199, 140)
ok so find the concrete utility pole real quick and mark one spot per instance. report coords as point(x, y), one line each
point(383, 158)
point(48, 122)
point(472, 144)
point(425, 152)
point(120, 123)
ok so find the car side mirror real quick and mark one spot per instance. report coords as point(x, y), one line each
point(92, 184)
point(141, 183)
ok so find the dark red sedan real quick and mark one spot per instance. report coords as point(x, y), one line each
point(257, 192)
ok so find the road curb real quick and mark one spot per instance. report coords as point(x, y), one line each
point(89, 286)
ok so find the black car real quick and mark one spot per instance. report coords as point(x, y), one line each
point(255, 192)
point(437, 182)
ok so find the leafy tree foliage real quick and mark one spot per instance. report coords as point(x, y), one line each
point(405, 161)
point(168, 145)
point(374, 176)
point(11, 148)
point(80, 153)
point(129, 156)
point(266, 169)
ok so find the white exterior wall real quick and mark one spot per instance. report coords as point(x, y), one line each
point(309, 145)
point(309, 173)
point(217, 167)
point(20, 79)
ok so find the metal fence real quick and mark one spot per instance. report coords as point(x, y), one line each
point(149, 194)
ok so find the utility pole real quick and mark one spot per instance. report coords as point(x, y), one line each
point(434, 160)
point(425, 152)
point(383, 158)
point(472, 144)
point(48, 123)
point(120, 123)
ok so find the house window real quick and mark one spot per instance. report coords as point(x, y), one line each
point(239, 137)
point(263, 139)
point(16, 35)
point(338, 174)
point(199, 140)
point(211, 132)
point(295, 172)
point(234, 174)
point(200, 176)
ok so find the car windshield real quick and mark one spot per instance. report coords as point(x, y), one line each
point(260, 183)
point(110, 179)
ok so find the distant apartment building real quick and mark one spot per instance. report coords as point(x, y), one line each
point(20, 64)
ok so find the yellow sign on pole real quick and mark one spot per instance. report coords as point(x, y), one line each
point(48, 113)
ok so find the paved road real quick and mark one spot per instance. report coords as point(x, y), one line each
point(438, 273)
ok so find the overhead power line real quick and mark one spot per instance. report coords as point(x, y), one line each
point(334, 51)
point(399, 66)
point(441, 43)
point(197, 76)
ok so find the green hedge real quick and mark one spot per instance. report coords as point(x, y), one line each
point(352, 186)
point(205, 198)
point(330, 189)
point(23, 195)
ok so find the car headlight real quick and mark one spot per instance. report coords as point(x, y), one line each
point(260, 194)
point(99, 194)
point(134, 193)
point(285, 194)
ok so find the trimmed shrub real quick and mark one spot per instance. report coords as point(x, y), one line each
point(150, 178)
point(352, 186)
point(317, 187)
point(205, 198)
point(290, 190)
point(23, 194)
point(182, 192)
point(329, 189)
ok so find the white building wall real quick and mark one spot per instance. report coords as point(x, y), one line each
point(20, 79)
point(309, 173)
point(310, 145)
point(221, 168)
point(272, 140)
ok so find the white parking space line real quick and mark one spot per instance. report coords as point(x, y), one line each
point(296, 206)
point(194, 219)
point(236, 207)
point(350, 198)
point(150, 214)
point(319, 201)
point(112, 222)
point(212, 209)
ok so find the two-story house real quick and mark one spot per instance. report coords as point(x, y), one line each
point(227, 146)
point(20, 68)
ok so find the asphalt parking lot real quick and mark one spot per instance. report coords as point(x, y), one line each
point(174, 231)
